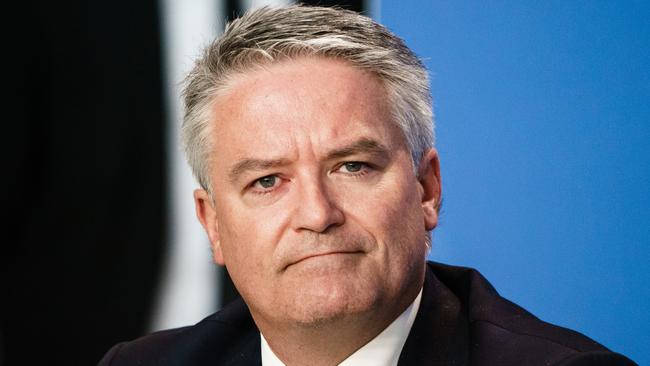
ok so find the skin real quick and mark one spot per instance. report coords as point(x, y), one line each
point(317, 212)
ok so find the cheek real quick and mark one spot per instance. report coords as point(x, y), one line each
point(394, 204)
point(242, 253)
point(250, 236)
point(392, 214)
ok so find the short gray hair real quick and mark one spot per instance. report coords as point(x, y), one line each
point(267, 35)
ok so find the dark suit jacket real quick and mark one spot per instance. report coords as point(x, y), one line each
point(461, 321)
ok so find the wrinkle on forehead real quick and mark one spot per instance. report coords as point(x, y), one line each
point(253, 88)
point(298, 107)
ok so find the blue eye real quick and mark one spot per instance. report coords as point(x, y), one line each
point(268, 181)
point(353, 166)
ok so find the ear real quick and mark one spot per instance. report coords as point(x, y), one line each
point(207, 215)
point(431, 185)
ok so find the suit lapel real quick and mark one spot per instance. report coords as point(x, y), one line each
point(231, 338)
point(248, 353)
point(439, 335)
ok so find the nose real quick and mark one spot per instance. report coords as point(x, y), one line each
point(317, 210)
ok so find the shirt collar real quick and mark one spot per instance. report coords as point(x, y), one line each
point(383, 350)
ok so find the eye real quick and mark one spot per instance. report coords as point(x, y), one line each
point(266, 183)
point(353, 166)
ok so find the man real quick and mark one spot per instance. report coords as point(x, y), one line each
point(310, 132)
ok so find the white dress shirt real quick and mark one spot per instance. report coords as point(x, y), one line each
point(383, 350)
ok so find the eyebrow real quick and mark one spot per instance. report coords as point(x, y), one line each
point(361, 146)
point(255, 165)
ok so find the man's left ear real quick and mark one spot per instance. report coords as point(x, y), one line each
point(431, 185)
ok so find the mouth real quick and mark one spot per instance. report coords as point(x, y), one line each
point(323, 256)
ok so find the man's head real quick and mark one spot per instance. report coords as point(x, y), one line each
point(304, 127)
point(270, 35)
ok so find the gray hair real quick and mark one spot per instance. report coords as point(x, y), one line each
point(267, 35)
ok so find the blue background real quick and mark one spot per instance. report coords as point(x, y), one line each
point(543, 124)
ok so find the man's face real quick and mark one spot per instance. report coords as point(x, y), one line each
point(318, 214)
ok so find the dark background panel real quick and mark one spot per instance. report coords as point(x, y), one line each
point(83, 205)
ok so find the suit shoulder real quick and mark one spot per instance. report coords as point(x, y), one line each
point(598, 358)
point(543, 344)
point(502, 331)
point(215, 340)
point(146, 348)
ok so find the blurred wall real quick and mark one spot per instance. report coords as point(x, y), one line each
point(543, 122)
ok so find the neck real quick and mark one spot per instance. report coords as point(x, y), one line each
point(331, 342)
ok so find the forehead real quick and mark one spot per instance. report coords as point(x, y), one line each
point(280, 108)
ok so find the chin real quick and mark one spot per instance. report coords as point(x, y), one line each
point(333, 303)
point(323, 315)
